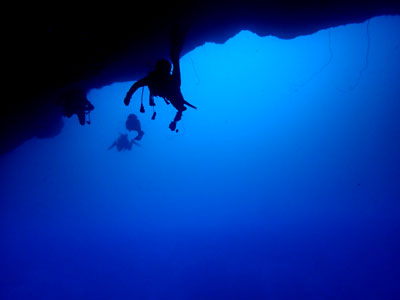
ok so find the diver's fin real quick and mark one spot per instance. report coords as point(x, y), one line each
point(188, 104)
point(112, 146)
point(139, 136)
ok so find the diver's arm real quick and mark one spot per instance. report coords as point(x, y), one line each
point(134, 87)
point(176, 40)
point(176, 72)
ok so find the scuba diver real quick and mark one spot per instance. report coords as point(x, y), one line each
point(133, 124)
point(123, 143)
point(162, 83)
point(76, 102)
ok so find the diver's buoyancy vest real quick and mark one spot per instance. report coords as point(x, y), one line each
point(163, 86)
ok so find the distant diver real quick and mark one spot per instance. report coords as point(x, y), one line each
point(123, 143)
point(75, 101)
point(162, 83)
point(133, 124)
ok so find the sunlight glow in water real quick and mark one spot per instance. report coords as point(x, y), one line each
point(284, 184)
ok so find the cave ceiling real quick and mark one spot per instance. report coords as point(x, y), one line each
point(51, 48)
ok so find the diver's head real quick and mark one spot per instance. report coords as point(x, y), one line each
point(163, 66)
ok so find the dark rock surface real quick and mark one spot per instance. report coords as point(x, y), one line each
point(49, 49)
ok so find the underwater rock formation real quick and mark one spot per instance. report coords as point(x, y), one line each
point(50, 49)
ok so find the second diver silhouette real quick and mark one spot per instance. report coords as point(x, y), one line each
point(162, 83)
point(123, 143)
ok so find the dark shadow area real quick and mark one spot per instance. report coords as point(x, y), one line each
point(75, 102)
point(20, 122)
point(46, 52)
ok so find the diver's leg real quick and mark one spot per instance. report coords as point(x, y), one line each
point(177, 118)
point(178, 103)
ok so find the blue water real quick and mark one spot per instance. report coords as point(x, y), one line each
point(284, 184)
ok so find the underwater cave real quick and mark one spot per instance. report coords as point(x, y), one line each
point(283, 184)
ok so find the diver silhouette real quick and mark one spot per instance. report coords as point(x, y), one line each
point(123, 143)
point(133, 124)
point(162, 83)
point(75, 101)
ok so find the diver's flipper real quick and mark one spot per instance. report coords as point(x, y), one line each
point(139, 136)
point(112, 146)
point(188, 104)
point(172, 126)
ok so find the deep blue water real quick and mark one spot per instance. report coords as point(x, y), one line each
point(284, 184)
